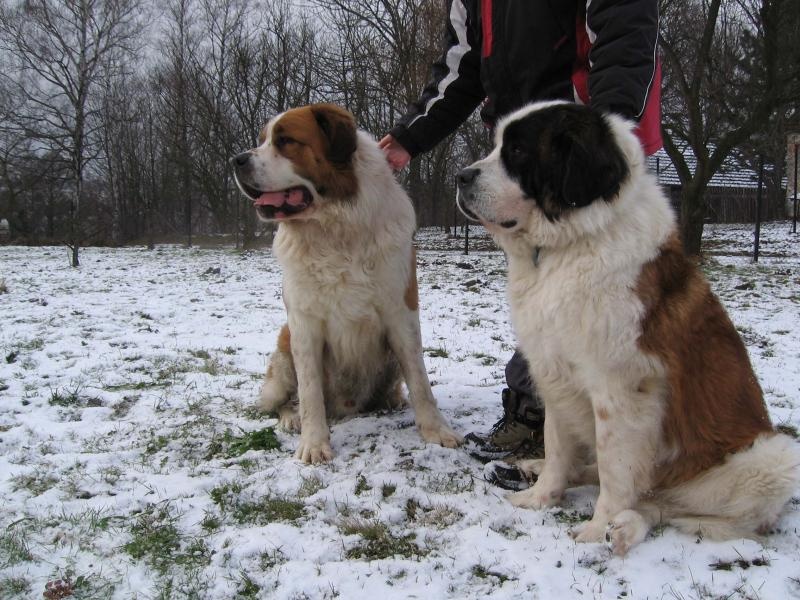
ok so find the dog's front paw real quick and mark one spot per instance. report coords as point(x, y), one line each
point(314, 451)
point(537, 497)
point(627, 529)
point(440, 433)
point(532, 467)
point(591, 532)
point(289, 419)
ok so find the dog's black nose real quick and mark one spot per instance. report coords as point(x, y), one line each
point(240, 160)
point(466, 177)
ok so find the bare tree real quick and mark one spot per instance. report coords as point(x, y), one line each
point(730, 65)
point(61, 53)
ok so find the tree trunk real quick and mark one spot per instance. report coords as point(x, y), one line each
point(693, 213)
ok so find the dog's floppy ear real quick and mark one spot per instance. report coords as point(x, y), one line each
point(587, 163)
point(339, 128)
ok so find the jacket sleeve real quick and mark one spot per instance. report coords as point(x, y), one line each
point(453, 92)
point(622, 61)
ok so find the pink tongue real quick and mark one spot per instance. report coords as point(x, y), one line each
point(292, 197)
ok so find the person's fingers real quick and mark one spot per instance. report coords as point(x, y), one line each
point(385, 142)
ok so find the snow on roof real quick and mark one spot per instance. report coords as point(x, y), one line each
point(731, 175)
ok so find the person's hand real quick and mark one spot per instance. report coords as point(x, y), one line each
point(396, 155)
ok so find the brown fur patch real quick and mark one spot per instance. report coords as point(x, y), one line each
point(714, 403)
point(320, 140)
point(284, 340)
point(602, 414)
point(411, 296)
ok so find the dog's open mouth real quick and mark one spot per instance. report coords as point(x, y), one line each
point(281, 204)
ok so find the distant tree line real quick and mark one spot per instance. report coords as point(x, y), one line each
point(117, 117)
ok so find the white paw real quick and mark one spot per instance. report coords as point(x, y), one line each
point(289, 420)
point(537, 497)
point(591, 532)
point(314, 451)
point(531, 466)
point(440, 433)
point(627, 529)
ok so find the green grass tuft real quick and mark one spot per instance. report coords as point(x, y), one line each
point(482, 572)
point(231, 446)
point(361, 485)
point(377, 541)
point(387, 489)
point(437, 352)
point(268, 510)
point(14, 586)
point(156, 539)
point(13, 547)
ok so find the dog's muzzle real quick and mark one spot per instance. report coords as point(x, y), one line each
point(465, 179)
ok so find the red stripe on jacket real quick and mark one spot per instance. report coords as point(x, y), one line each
point(648, 130)
point(486, 28)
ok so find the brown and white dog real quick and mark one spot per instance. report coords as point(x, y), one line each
point(646, 383)
point(349, 277)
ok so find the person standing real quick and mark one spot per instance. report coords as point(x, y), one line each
point(503, 54)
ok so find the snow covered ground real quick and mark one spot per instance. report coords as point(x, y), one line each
point(133, 463)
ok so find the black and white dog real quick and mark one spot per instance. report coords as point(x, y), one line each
point(647, 386)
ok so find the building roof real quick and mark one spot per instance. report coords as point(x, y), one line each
point(731, 175)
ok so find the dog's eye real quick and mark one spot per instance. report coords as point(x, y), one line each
point(282, 140)
point(516, 151)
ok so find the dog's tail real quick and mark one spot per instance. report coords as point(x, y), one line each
point(742, 497)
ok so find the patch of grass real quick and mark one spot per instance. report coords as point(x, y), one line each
point(387, 489)
point(210, 522)
point(268, 510)
point(13, 547)
point(310, 486)
point(508, 532)
point(247, 588)
point(741, 563)
point(437, 352)
point(226, 495)
point(111, 474)
point(123, 407)
point(486, 359)
point(440, 516)
point(377, 541)
point(269, 559)
point(361, 485)
point(156, 443)
point(14, 586)
point(231, 446)
point(482, 572)
point(65, 397)
point(789, 430)
point(449, 483)
point(155, 539)
point(36, 483)
point(570, 517)
point(203, 354)
point(263, 511)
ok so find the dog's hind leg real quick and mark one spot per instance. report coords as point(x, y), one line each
point(742, 497)
point(279, 389)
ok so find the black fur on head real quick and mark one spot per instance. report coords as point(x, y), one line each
point(563, 157)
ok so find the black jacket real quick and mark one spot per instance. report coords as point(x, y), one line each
point(507, 53)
